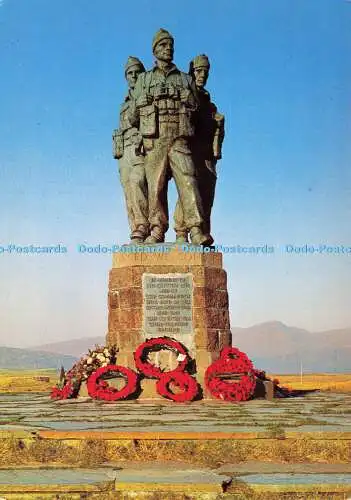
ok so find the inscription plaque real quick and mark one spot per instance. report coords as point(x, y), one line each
point(167, 306)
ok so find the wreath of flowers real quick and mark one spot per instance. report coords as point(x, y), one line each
point(70, 381)
point(188, 386)
point(98, 388)
point(158, 344)
point(64, 392)
point(231, 362)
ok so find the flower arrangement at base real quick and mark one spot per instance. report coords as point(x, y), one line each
point(158, 344)
point(178, 386)
point(64, 392)
point(98, 388)
point(232, 376)
point(81, 370)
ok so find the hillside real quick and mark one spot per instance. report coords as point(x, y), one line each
point(14, 358)
point(279, 348)
point(73, 347)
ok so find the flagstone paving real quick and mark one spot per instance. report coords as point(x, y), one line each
point(316, 412)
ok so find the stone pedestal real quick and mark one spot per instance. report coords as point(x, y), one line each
point(169, 292)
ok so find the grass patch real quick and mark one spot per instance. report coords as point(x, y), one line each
point(211, 453)
point(12, 381)
point(329, 382)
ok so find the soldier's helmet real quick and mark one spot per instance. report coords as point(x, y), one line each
point(161, 34)
point(133, 61)
point(200, 61)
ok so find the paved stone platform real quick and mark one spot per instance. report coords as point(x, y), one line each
point(314, 414)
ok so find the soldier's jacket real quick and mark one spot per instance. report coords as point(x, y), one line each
point(126, 134)
point(166, 106)
point(209, 127)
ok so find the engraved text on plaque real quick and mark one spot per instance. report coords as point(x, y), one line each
point(167, 308)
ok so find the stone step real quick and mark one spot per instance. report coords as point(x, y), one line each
point(34, 483)
point(293, 484)
point(169, 482)
point(109, 483)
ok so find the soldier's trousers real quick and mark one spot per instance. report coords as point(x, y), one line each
point(133, 180)
point(171, 156)
point(206, 180)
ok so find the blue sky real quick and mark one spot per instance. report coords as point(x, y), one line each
point(281, 74)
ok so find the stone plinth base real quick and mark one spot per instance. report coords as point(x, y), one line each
point(206, 304)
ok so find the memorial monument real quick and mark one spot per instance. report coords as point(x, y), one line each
point(169, 129)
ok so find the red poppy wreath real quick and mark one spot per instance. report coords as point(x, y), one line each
point(98, 388)
point(219, 376)
point(158, 344)
point(179, 381)
point(62, 393)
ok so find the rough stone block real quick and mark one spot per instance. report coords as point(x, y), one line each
point(129, 339)
point(137, 275)
point(114, 320)
point(225, 339)
point(162, 269)
point(131, 298)
point(130, 318)
point(216, 278)
point(148, 387)
point(113, 299)
point(209, 297)
point(126, 358)
point(212, 340)
point(120, 278)
point(200, 336)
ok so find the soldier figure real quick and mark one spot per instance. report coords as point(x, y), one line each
point(127, 148)
point(206, 148)
point(164, 104)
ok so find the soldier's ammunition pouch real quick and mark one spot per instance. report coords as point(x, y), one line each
point(186, 127)
point(132, 138)
point(117, 144)
point(148, 121)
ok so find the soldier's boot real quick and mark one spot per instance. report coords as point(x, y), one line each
point(182, 237)
point(199, 238)
point(156, 236)
point(139, 234)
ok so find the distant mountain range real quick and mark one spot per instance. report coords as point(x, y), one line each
point(279, 348)
point(73, 347)
point(13, 358)
point(272, 346)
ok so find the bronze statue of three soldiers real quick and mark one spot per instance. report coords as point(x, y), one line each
point(168, 128)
